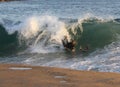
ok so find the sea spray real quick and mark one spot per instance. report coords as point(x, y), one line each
point(43, 32)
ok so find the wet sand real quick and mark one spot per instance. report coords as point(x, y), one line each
point(12, 75)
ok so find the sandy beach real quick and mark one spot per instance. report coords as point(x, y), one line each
point(35, 76)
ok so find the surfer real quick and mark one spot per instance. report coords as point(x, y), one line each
point(70, 46)
point(65, 41)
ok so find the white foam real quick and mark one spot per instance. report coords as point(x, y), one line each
point(63, 82)
point(20, 68)
point(59, 77)
point(43, 33)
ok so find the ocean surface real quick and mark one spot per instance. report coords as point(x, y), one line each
point(31, 32)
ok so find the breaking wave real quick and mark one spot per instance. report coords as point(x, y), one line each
point(43, 34)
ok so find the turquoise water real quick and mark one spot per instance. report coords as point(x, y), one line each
point(31, 33)
point(60, 8)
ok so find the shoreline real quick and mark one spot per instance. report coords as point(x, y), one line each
point(14, 75)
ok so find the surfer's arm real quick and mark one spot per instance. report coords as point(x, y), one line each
point(85, 49)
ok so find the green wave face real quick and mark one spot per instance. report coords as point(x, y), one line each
point(96, 35)
point(8, 43)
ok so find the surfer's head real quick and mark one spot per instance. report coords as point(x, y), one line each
point(65, 37)
point(73, 41)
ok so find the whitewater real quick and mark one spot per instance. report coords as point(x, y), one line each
point(31, 32)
